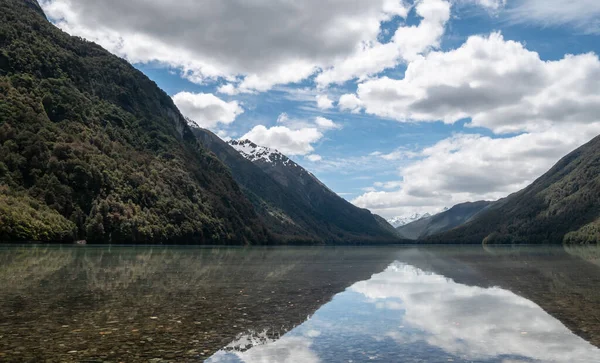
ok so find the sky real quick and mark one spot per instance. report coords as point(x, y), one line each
point(399, 106)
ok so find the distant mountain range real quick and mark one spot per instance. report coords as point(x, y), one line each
point(562, 206)
point(443, 221)
point(295, 205)
point(403, 220)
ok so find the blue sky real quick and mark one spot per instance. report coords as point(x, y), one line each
point(427, 103)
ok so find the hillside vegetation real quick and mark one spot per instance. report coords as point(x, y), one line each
point(90, 148)
point(563, 205)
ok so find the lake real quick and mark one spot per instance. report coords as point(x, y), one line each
point(313, 304)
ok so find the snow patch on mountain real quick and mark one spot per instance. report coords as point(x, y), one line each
point(254, 152)
point(403, 220)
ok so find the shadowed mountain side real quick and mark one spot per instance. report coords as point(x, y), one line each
point(294, 204)
point(90, 148)
point(562, 206)
point(555, 278)
point(182, 304)
point(444, 221)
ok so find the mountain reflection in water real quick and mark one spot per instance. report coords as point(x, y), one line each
point(346, 304)
point(405, 314)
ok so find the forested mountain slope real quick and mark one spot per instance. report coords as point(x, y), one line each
point(563, 205)
point(90, 148)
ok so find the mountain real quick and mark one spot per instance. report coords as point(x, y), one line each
point(444, 221)
point(90, 148)
point(403, 220)
point(562, 206)
point(292, 202)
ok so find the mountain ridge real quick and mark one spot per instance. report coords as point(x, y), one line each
point(561, 206)
point(295, 204)
point(443, 221)
point(99, 151)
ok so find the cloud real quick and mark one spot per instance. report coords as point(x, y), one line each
point(493, 5)
point(471, 322)
point(326, 124)
point(284, 139)
point(350, 102)
point(323, 102)
point(498, 84)
point(470, 167)
point(256, 44)
point(292, 136)
point(228, 89)
point(284, 350)
point(314, 157)
point(206, 109)
point(406, 43)
point(583, 15)
point(321, 123)
point(399, 154)
point(388, 185)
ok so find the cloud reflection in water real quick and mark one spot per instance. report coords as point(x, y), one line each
point(407, 314)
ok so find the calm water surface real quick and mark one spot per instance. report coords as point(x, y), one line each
point(431, 304)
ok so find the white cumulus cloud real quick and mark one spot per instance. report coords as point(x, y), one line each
point(206, 109)
point(326, 124)
point(255, 42)
point(406, 43)
point(350, 102)
point(323, 102)
point(499, 84)
point(314, 157)
point(284, 139)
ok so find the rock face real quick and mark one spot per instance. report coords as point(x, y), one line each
point(562, 206)
point(294, 204)
point(444, 221)
point(90, 148)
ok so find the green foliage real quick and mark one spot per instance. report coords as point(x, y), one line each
point(588, 234)
point(93, 140)
point(23, 218)
point(562, 206)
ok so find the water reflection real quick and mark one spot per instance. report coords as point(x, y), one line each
point(405, 314)
point(461, 304)
point(72, 304)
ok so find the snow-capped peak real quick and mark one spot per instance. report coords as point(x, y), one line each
point(254, 152)
point(402, 220)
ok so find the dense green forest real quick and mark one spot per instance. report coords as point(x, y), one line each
point(562, 206)
point(91, 149)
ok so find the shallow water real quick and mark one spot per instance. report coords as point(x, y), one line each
point(355, 304)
